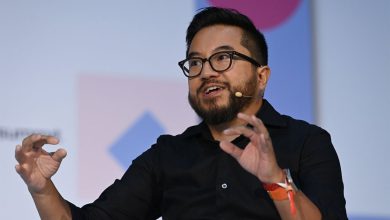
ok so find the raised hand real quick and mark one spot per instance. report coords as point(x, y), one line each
point(258, 157)
point(36, 166)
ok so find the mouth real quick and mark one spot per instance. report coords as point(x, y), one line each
point(212, 90)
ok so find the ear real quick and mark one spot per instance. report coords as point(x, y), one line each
point(263, 74)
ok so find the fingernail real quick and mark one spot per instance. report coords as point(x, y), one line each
point(226, 130)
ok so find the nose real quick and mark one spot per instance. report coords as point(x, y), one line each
point(207, 71)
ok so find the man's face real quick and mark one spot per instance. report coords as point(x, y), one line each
point(212, 94)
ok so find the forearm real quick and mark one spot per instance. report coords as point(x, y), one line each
point(50, 204)
point(305, 209)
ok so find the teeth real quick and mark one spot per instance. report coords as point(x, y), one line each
point(211, 88)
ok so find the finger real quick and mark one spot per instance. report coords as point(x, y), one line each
point(260, 126)
point(19, 155)
point(260, 130)
point(45, 139)
point(250, 119)
point(51, 139)
point(231, 149)
point(257, 139)
point(257, 123)
point(18, 169)
point(22, 172)
point(264, 146)
point(59, 155)
point(244, 117)
point(240, 130)
point(28, 142)
point(36, 141)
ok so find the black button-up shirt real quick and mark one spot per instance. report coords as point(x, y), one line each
point(189, 177)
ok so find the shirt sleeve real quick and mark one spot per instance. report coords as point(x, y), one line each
point(135, 196)
point(320, 175)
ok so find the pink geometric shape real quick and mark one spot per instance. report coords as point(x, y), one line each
point(107, 106)
point(266, 14)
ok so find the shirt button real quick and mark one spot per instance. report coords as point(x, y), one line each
point(224, 185)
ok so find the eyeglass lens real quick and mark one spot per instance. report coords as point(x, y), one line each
point(219, 62)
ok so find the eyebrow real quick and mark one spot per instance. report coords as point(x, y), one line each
point(218, 49)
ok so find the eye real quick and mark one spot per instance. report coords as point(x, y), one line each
point(222, 57)
point(194, 62)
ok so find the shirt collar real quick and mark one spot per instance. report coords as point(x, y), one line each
point(269, 116)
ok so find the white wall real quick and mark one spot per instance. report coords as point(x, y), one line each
point(352, 41)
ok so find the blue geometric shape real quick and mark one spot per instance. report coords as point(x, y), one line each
point(201, 4)
point(136, 139)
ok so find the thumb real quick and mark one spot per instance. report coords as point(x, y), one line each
point(59, 155)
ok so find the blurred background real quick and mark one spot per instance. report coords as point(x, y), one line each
point(103, 77)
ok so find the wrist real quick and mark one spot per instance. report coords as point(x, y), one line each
point(279, 190)
point(45, 188)
point(277, 177)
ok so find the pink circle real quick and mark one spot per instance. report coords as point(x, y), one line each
point(265, 14)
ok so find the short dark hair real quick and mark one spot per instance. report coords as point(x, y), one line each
point(252, 39)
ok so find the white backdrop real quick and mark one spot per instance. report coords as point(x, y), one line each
point(45, 47)
point(352, 40)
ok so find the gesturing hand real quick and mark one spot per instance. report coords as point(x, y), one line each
point(258, 157)
point(36, 166)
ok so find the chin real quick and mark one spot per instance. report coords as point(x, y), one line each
point(214, 106)
point(219, 100)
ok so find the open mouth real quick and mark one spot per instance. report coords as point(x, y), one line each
point(213, 90)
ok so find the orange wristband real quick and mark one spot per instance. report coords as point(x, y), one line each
point(279, 193)
point(283, 191)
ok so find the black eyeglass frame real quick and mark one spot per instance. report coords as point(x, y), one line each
point(204, 60)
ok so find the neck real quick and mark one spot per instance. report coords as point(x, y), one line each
point(217, 130)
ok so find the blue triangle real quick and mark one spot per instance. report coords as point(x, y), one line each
point(136, 139)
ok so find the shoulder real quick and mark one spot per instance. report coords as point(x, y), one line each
point(302, 126)
point(284, 123)
point(190, 132)
point(312, 137)
point(167, 143)
point(298, 139)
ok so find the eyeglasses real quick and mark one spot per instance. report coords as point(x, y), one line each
point(219, 62)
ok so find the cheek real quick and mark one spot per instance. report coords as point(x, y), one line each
point(236, 80)
point(238, 73)
point(192, 86)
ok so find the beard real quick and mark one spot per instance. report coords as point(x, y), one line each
point(214, 114)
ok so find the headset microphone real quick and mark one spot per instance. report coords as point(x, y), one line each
point(240, 95)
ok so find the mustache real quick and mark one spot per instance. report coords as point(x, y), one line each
point(207, 82)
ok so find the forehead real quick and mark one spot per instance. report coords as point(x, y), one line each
point(209, 39)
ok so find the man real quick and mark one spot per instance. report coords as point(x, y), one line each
point(244, 161)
